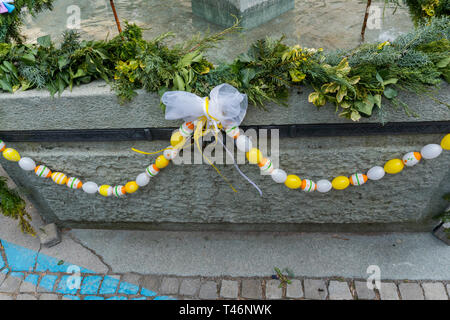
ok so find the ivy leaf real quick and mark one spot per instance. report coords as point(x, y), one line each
point(355, 116)
point(178, 82)
point(247, 76)
point(390, 93)
point(28, 59)
point(390, 81)
point(45, 41)
point(6, 85)
point(443, 63)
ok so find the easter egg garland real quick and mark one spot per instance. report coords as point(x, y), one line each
point(243, 143)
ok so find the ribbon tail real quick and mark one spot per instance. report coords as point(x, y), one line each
point(237, 167)
point(199, 132)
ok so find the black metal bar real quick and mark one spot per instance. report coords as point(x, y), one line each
point(285, 131)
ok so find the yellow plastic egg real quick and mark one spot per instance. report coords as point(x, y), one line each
point(161, 162)
point(340, 183)
point(11, 154)
point(394, 166)
point(177, 139)
point(131, 187)
point(293, 182)
point(445, 143)
point(254, 156)
point(105, 190)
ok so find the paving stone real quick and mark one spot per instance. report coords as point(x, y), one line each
point(10, 284)
point(26, 297)
point(189, 287)
point(315, 289)
point(229, 289)
point(294, 290)
point(2, 278)
point(27, 287)
point(272, 289)
point(48, 296)
point(47, 283)
point(363, 292)
point(169, 286)
point(49, 235)
point(109, 285)
point(410, 291)
point(339, 290)
point(4, 296)
point(70, 297)
point(251, 289)
point(128, 288)
point(151, 283)
point(388, 291)
point(90, 285)
point(434, 291)
point(132, 278)
point(66, 286)
point(208, 290)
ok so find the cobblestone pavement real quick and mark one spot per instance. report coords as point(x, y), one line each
point(27, 275)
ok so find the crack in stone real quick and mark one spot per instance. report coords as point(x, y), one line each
point(71, 236)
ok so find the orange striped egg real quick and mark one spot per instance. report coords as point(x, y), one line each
point(59, 177)
point(170, 153)
point(308, 185)
point(42, 171)
point(74, 183)
point(119, 191)
point(358, 179)
point(2, 146)
point(152, 170)
point(412, 158)
point(232, 132)
point(266, 165)
point(186, 129)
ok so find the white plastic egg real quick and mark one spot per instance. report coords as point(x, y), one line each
point(243, 143)
point(27, 164)
point(376, 173)
point(411, 159)
point(142, 179)
point(431, 151)
point(324, 186)
point(170, 153)
point(90, 187)
point(279, 175)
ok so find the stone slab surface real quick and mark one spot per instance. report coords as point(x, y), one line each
point(399, 255)
point(411, 291)
point(371, 207)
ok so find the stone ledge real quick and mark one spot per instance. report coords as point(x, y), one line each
point(94, 106)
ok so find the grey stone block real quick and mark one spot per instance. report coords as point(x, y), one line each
point(27, 287)
point(26, 297)
point(229, 289)
point(388, 291)
point(339, 291)
point(434, 291)
point(377, 209)
point(189, 287)
point(251, 289)
point(272, 289)
point(410, 291)
point(363, 292)
point(208, 290)
point(442, 232)
point(315, 289)
point(294, 290)
point(250, 12)
point(10, 284)
point(152, 283)
point(2, 278)
point(4, 296)
point(169, 286)
point(48, 296)
point(132, 278)
point(49, 235)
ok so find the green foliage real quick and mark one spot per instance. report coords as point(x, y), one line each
point(284, 279)
point(10, 23)
point(353, 80)
point(13, 206)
